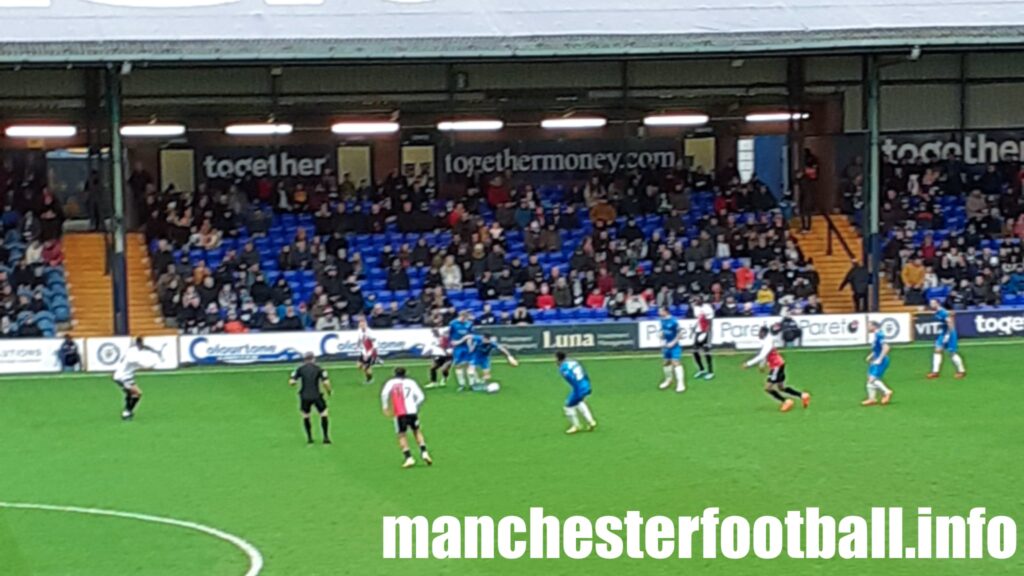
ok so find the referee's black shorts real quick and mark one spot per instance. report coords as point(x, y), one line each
point(306, 403)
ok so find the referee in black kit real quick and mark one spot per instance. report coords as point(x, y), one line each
point(311, 395)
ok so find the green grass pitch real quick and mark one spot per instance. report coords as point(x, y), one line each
point(226, 448)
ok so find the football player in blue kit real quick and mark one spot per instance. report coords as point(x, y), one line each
point(576, 405)
point(671, 351)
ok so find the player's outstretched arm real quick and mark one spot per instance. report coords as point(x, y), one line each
point(384, 404)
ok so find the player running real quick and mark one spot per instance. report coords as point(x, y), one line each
point(704, 313)
point(440, 350)
point(368, 356)
point(138, 356)
point(311, 395)
point(460, 331)
point(481, 346)
point(947, 341)
point(575, 404)
point(405, 397)
point(878, 363)
point(775, 385)
point(672, 350)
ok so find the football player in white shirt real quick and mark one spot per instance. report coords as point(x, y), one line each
point(704, 313)
point(367, 345)
point(401, 398)
point(138, 356)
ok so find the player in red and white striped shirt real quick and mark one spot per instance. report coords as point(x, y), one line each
point(775, 385)
point(704, 313)
point(367, 344)
point(401, 398)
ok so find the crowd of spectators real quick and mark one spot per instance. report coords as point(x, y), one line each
point(257, 254)
point(33, 294)
point(952, 232)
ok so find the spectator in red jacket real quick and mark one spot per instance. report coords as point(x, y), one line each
point(545, 300)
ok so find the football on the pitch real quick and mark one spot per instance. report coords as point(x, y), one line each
point(493, 388)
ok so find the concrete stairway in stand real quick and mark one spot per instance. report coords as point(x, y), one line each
point(833, 268)
point(91, 291)
point(144, 318)
point(89, 288)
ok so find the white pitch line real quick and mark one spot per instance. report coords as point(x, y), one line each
point(285, 367)
point(255, 558)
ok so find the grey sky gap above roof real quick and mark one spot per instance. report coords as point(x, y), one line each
point(99, 30)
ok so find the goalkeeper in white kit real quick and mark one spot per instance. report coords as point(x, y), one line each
point(137, 357)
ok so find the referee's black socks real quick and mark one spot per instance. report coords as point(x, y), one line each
point(775, 394)
point(325, 426)
point(309, 429)
point(792, 391)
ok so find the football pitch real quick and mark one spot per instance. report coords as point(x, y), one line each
point(224, 448)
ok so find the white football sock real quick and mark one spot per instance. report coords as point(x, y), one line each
point(668, 373)
point(570, 413)
point(584, 411)
point(958, 362)
point(936, 362)
point(872, 392)
point(881, 387)
point(678, 371)
point(460, 375)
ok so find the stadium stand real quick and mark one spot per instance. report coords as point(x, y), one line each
point(326, 253)
point(33, 290)
point(952, 232)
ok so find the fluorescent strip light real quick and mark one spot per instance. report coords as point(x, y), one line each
point(152, 130)
point(470, 125)
point(258, 129)
point(365, 128)
point(677, 120)
point(294, 2)
point(163, 3)
point(53, 131)
point(777, 116)
point(571, 123)
point(24, 3)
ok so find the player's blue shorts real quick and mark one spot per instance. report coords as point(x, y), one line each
point(673, 353)
point(951, 346)
point(878, 370)
point(481, 362)
point(577, 395)
point(461, 355)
